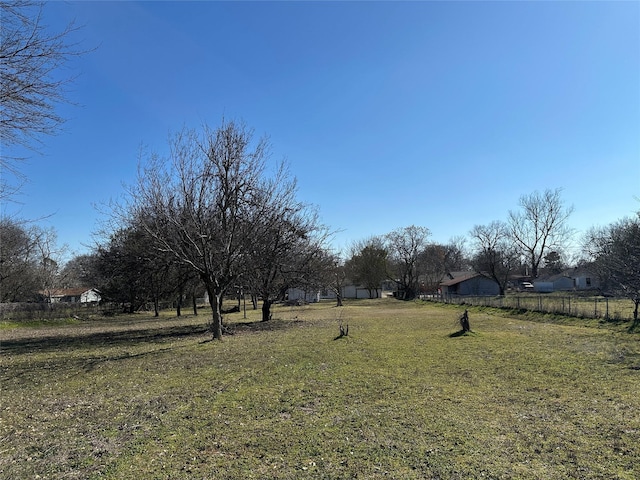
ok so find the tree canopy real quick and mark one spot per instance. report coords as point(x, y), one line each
point(212, 206)
point(615, 251)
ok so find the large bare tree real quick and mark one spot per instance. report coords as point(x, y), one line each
point(539, 226)
point(29, 260)
point(286, 239)
point(495, 254)
point(368, 264)
point(31, 84)
point(18, 264)
point(437, 259)
point(213, 207)
point(404, 246)
point(615, 251)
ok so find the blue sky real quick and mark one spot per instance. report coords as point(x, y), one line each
point(438, 114)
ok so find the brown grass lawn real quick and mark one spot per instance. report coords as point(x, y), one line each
point(402, 396)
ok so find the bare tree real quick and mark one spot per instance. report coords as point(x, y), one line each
point(81, 271)
point(30, 82)
point(286, 239)
point(437, 259)
point(494, 252)
point(49, 255)
point(615, 252)
point(203, 205)
point(456, 254)
point(337, 276)
point(18, 264)
point(129, 271)
point(368, 264)
point(539, 226)
point(404, 246)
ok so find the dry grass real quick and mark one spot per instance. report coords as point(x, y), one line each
point(401, 397)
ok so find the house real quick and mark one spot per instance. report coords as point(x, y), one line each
point(71, 295)
point(295, 294)
point(577, 278)
point(583, 279)
point(468, 283)
point(553, 283)
point(356, 291)
point(348, 291)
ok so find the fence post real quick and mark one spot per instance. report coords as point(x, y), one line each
point(540, 303)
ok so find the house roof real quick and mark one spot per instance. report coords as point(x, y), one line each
point(552, 278)
point(461, 277)
point(66, 292)
point(452, 275)
point(579, 272)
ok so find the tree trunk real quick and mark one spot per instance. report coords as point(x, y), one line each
point(254, 301)
point(215, 300)
point(179, 306)
point(132, 300)
point(534, 266)
point(266, 310)
point(195, 303)
point(338, 300)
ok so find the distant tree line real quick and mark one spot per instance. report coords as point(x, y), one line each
point(214, 216)
point(30, 260)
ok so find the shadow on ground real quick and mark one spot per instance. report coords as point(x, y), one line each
point(78, 339)
point(462, 333)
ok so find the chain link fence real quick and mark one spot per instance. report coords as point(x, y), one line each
point(608, 308)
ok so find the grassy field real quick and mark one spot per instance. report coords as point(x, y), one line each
point(402, 396)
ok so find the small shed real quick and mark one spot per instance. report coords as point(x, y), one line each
point(553, 283)
point(469, 283)
point(294, 294)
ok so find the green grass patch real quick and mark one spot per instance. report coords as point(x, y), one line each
point(402, 396)
point(8, 324)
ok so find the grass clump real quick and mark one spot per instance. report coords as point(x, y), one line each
point(399, 397)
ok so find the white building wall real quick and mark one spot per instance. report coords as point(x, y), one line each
point(299, 294)
point(89, 296)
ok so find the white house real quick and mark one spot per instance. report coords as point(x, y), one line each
point(294, 294)
point(571, 279)
point(348, 291)
point(583, 279)
point(72, 295)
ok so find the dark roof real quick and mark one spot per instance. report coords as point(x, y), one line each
point(461, 277)
point(552, 278)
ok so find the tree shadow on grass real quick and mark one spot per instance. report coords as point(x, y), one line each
point(68, 340)
point(462, 333)
point(259, 326)
point(77, 339)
